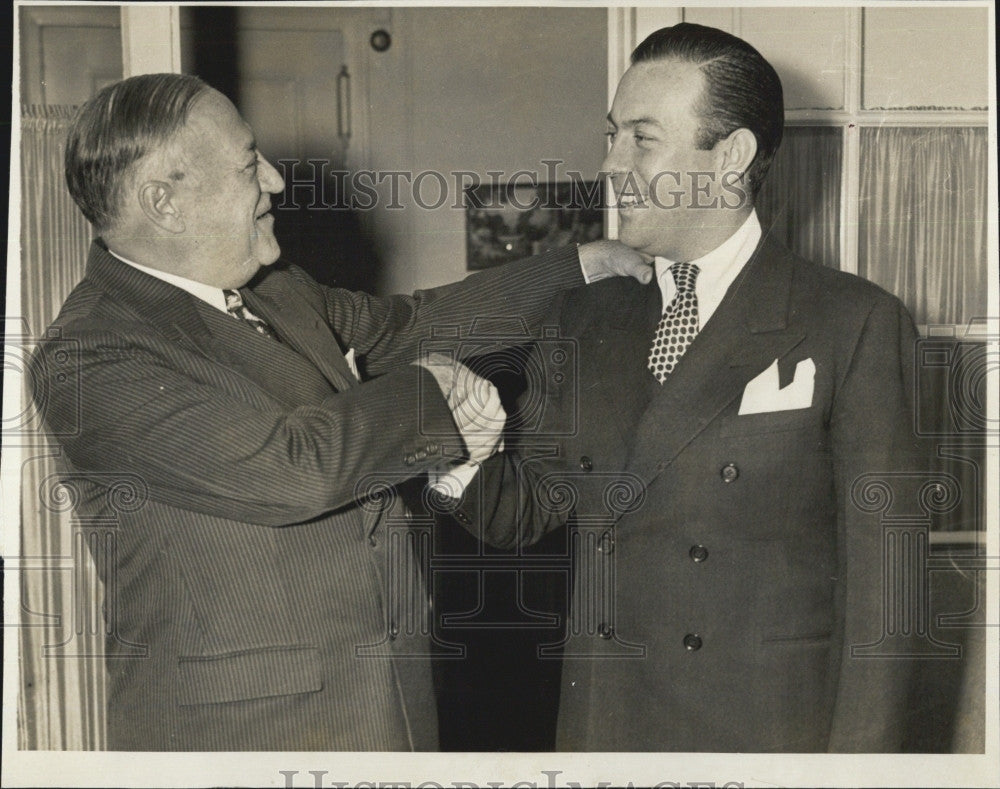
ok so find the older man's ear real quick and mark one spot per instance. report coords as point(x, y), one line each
point(156, 199)
point(603, 259)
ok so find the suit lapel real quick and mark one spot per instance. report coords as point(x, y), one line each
point(303, 328)
point(747, 332)
point(169, 309)
point(184, 319)
point(623, 382)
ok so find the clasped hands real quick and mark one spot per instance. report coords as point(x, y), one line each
point(474, 403)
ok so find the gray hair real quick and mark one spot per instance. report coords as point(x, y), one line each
point(115, 129)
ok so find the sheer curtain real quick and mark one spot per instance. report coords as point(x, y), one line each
point(922, 219)
point(800, 199)
point(61, 702)
point(922, 236)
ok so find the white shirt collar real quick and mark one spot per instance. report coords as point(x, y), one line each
point(717, 270)
point(207, 293)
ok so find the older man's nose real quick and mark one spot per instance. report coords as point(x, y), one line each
point(270, 179)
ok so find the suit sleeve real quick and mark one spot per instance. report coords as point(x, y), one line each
point(388, 332)
point(872, 434)
point(226, 448)
point(514, 501)
point(204, 442)
point(520, 495)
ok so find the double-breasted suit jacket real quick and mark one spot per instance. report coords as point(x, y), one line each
point(722, 572)
point(248, 597)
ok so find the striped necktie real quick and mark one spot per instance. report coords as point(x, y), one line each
point(236, 308)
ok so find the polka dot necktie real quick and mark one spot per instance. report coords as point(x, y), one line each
point(679, 325)
point(236, 308)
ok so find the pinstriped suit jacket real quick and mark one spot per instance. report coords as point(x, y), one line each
point(248, 599)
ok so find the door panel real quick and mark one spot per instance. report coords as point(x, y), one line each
point(282, 67)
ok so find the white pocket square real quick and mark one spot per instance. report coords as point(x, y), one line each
point(349, 358)
point(763, 395)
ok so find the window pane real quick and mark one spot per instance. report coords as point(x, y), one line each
point(800, 198)
point(897, 74)
point(922, 219)
point(805, 46)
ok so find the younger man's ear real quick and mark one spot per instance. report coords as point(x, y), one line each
point(737, 151)
point(156, 199)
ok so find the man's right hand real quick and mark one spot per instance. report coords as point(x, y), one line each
point(602, 259)
point(474, 402)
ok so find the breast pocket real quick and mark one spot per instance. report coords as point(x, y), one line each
point(772, 422)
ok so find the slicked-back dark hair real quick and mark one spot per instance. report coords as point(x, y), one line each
point(115, 129)
point(742, 90)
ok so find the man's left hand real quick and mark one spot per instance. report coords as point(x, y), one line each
point(603, 259)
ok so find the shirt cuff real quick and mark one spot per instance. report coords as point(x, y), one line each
point(588, 280)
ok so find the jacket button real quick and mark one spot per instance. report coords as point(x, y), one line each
point(393, 631)
point(373, 540)
point(607, 543)
point(586, 463)
point(462, 518)
point(698, 553)
point(605, 631)
point(692, 642)
point(729, 472)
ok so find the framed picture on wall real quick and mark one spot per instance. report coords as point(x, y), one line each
point(504, 222)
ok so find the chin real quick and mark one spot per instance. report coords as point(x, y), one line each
point(638, 241)
point(268, 256)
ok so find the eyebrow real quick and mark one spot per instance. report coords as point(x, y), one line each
point(633, 122)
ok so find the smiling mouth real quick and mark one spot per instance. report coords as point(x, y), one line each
point(629, 197)
point(630, 202)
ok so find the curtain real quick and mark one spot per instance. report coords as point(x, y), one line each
point(800, 198)
point(922, 219)
point(62, 694)
point(922, 236)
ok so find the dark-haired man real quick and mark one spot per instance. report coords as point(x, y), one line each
point(249, 584)
point(723, 580)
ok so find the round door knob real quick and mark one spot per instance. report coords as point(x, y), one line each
point(380, 40)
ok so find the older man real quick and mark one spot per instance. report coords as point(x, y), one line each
point(728, 591)
point(249, 571)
